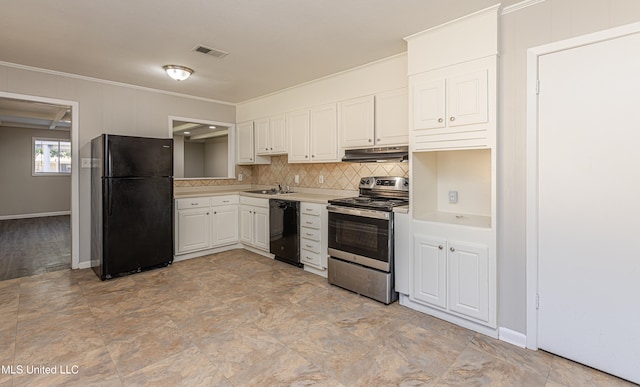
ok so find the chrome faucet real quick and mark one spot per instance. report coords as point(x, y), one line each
point(279, 187)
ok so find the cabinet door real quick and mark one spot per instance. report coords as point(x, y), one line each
point(262, 136)
point(298, 126)
point(245, 142)
point(428, 102)
point(224, 225)
point(392, 122)
point(429, 274)
point(324, 133)
point(356, 122)
point(193, 230)
point(469, 279)
point(246, 224)
point(277, 134)
point(467, 99)
point(261, 228)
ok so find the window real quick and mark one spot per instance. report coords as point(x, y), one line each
point(51, 156)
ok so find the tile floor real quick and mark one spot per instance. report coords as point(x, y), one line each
point(239, 319)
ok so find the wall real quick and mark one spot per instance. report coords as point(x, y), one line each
point(22, 193)
point(111, 108)
point(541, 23)
point(217, 153)
point(375, 77)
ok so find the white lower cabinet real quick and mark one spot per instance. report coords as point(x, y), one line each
point(254, 222)
point(452, 275)
point(313, 235)
point(205, 222)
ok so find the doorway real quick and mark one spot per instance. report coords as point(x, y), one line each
point(582, 204)
point(60, 115)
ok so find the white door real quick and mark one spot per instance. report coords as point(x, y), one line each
point(324, 133)
point(298, 127)
point(589, 205)
point(356, 122)
point(225, 225)
point(193, 230)
point(430, 271)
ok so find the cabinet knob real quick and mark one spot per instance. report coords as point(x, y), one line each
point(207, 213)
point(452, 119)
point(370, 140)
point(271, 148)
point(452, 249)
point(440, 120)
point(306, 157)
point(214, 212)
point(312, 156)
point(377, 140)
point(440, 247)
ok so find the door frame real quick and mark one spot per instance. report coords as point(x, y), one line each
point(532, 199)
point(75, 154)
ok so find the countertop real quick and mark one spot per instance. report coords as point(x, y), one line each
point(303, 194)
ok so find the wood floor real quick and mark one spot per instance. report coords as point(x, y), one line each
point(34, 246)
point(240, 319)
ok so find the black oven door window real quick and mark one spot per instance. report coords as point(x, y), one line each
point(367, 237)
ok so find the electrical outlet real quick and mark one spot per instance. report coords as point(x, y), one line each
point(453, 196)
point(240, 177)
point(296, 179)
point(85, 163)
point(321, 179)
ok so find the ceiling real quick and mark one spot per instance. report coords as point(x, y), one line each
point(271, 44)
point(34, 115)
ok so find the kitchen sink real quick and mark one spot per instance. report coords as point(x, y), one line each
point(269, 192)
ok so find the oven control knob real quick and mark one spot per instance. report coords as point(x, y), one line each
point(363, 181)
point(378, 182)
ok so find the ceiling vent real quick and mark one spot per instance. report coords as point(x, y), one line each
point(210, 51)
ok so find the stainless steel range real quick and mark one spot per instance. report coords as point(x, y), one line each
point(361, 245)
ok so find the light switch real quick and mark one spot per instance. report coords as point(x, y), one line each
point(321, 179)
point(296, 179)
point(240, 177)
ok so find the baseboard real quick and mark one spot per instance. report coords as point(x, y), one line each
point(512, 337)
point(38, 215)
point(84, 265)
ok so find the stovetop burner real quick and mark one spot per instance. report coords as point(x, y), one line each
point(378, 193)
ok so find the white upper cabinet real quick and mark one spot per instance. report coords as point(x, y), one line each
point(324, 133)
point(454, 107)
point(392, 118)
point(356, 122)
point(245, 145)
point(313, 134)
point(299, 128)
point(375, 120)
point(271, 135)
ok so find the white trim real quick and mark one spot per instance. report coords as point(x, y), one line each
point(112, 83)
point(33, 156)
point(75, 155)
point(532, 159)
point(84, 265)
point(520, 6)
point(454, 21)
point(512, 337)
point(38, 215)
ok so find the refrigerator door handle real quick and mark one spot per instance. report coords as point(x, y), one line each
point(109, 196)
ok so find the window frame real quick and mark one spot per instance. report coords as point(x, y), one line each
point(33, 156)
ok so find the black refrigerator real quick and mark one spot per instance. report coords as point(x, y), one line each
point(131, 204)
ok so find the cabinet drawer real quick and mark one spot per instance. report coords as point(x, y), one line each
point(257, 202)
point(310, 233)
point(309, 245)
point(310, 208)
point(309, 258)
point(183, 204)
point(309, 221)
point(224, 200)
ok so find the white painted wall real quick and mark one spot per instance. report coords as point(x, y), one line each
point(383, 75)
point(541, 23)
point(109, 108)
point(21, 192)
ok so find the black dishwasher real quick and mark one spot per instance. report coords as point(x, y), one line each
point(284, 230)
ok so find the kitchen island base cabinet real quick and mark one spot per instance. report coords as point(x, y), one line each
point(254, 223)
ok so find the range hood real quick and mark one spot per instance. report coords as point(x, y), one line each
point(389, 154)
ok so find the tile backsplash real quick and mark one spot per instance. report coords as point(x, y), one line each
point(337, 176)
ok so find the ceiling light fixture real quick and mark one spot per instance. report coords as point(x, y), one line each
point(212, 127)
point(179, 73)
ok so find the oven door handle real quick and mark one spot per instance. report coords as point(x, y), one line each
point(358, 212)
